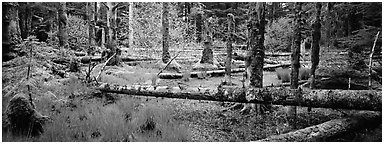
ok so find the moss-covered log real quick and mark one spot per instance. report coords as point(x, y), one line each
point(341, 99)
point(214, 73)
point(329, 129)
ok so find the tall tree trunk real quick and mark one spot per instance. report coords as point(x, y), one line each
point(315, 50)
point(231, 20)
point(91, 24)
point(165, 23)
point(295, 56)
point(256, 46)
point(25, 19)
point(316, 35)
point(199, 22)
point(62, 19)
point(130, 24)
point(207, 56)
point(109, 18)
point(329, 23)
point(96, 16)
point(11, 29)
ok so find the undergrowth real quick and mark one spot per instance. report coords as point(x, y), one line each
point(79, 113)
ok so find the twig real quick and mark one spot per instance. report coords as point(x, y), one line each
point(370, 62)
point(168, 64)
point(102, 68)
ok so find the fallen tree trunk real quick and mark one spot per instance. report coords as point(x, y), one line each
point(329, 129)
point(215, 73)
point(125, 59)
point(341, 99)
point(196, 73)
point(129, 59)
point(286, 84)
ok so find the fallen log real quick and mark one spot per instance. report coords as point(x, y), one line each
point(286, 84)
point(86, 59)
point(341, 99)
point(195, 74)
point(129, 59)
point(329, 129)
point(215, 73)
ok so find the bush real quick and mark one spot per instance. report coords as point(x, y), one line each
point(77, 32)
point(285, 74)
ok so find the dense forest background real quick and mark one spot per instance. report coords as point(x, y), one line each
point(344, 24)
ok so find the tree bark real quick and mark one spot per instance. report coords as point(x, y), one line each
point(207, 56)
point(25, 21)
point(295, 56)
point(91, 25)
point(370, 62)
point(340, 99)
point(130, 24)
point(329, 24)
point(315, 46)
point(62, 22)
point(109, 18)
point(231, 20)
point(256, 37)
point(316, 35)
point(165, 23)
point(11, 30)
point(329, 129)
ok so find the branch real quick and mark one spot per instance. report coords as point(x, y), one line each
point(167, 64)
point(98, 76)
point(370, 61)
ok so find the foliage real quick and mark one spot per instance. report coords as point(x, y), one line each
point(78, 32)
point(279, 35)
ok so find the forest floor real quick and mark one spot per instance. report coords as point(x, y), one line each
point(80, 113)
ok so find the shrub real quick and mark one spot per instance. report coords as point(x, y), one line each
point(77, 32)
point(285, 74)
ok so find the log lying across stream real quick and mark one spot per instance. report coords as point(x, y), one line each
point(329, 129)
point(341, 99)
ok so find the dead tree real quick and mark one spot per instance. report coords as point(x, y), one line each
point(231, 20)
point(130, 21)
point(316, 35)
point(165, 25)
point(329, 129)
point(340, 99)
point(11, 29)
point(62, 22)
point(109, 22)
point(295, 56)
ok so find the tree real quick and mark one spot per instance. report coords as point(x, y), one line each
point(207, 56)
point(316, 35)
point(25, 18)
point(256, 30)
point(91, 24)
point(130, 21)
point(231, 20)
point(62, 22)
point(109, 18)
point(295, 56)
point(165, 30)
point(11, 29)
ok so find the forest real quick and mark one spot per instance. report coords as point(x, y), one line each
point(191, 71)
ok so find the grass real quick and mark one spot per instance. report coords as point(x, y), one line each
point(89, 117)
